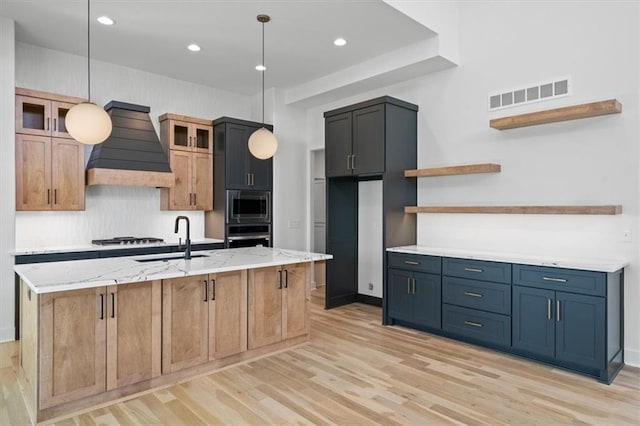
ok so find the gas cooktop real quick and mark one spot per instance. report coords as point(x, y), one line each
point(127, 241)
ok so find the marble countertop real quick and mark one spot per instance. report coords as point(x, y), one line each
point(93, 247)
point(78, 274)
point(600, 265)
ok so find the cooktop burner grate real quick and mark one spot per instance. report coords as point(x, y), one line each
point(127, 241)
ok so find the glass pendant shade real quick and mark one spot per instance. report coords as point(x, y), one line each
point(88, 123)
point(263, 144)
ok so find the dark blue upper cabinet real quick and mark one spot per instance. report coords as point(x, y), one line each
point(368, 141)
point(338, 145)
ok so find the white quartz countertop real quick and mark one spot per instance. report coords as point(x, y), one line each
point(600, 265)
point(94, 247)
point(77, 274)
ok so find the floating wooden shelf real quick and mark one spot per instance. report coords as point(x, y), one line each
point(594, 109)
point(454, 170)
point(591, 210)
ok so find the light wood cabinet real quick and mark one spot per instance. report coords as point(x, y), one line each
point(189, 144)
point(72, 345)
point(278, 300)
point(204, 318)
point(97, 339)
point(42, 114)
point(49, 164)
point(134, 314)
point(186, 133)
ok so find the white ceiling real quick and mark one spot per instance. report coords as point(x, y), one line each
point(152, 35)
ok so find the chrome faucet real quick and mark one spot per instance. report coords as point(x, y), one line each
point(187, 246)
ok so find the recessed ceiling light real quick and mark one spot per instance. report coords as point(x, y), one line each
point(105, 20)
point(339, 42)
point(193, 47)
point(261, 67)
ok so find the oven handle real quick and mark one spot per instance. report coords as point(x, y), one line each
point(249, 237)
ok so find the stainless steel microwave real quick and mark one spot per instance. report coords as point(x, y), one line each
point(248, 206)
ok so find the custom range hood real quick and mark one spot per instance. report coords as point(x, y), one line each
point(132, 155)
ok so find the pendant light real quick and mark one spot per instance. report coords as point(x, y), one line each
point(86, 122)
point(262, 143)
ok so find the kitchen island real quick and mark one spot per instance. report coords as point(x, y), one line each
point(101, 329)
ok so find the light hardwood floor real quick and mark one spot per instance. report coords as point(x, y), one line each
point(354, 371)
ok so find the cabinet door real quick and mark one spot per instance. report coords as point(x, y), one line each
point(228, 314)
point(33, 172)
point(180, 135)
point(261, 173)
point(295, 300)
point(533, 328)
point(202, 181)
point(400, 304)
point(185, 322)
point(368, 140)
point(202, 138)
point(426, 299)
point(337, 136)
point(236, 165)
point(33, 116)
point(72, 345)
point(67, 174)
point(59, 112)
point(133, 332)
point(580, 329)
point(181, 196)
point(265, 307)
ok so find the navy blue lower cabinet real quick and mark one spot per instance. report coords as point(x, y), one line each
point(580, 329)
point(534, 328)
point(414, 297)
point(487, 327)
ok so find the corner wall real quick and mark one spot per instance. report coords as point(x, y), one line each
point(7, 177)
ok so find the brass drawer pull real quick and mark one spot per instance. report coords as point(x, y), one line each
point(473, 270)
point(557, 280)
point(473, 324)
point(411, 262)
point(468, 293)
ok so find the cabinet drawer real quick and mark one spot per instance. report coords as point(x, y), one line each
point(569, 280)
point(481, 295)
point(485, 326)
point(414, 262)
point(477, 269)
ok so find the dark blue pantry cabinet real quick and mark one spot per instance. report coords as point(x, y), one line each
point(565, 317)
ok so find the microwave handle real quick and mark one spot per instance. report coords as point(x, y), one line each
point(249, 237)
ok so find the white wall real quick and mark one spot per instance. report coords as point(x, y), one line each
point(7, 177)
point(370, 263)
point(590, 161)
point(113, 210)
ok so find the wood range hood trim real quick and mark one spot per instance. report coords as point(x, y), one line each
point(130, 178)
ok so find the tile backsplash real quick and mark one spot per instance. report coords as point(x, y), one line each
point(111, 211)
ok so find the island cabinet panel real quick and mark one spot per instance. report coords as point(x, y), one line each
point(278, 304)
point(72, 345)
point(185, 322)
point(204, 318)
point(133, 333)
point(295, 303)
point(228, 314)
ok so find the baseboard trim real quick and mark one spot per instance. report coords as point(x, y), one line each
point(7, 334)
point(632, 357)
point(369, 300)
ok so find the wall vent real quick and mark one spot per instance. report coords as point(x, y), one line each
point(538, 92)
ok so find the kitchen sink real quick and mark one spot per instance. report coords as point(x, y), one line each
point(167, 258)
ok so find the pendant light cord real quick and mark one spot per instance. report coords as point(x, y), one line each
point(89, 49)
point(263, 71)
